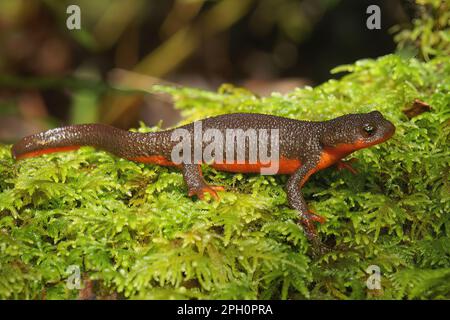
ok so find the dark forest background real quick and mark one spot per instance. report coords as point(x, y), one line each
point(51, 76)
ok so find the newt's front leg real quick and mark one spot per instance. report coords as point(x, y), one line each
point(296, 200)
point(192, 174)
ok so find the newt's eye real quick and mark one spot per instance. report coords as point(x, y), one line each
point(368, 130)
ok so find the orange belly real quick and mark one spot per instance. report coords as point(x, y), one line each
point(285, 166)
point(159, 160)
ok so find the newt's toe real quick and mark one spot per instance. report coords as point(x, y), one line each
point(310, 229)
point(200, 192)
point(307, 223)
point(315, 217)
point(341, 165)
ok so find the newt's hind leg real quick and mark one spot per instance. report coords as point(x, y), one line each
point(192, 174)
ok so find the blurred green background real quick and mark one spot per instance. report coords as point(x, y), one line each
point(52, 76)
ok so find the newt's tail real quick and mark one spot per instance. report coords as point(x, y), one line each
point(120, 142)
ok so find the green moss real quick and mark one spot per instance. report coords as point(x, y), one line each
point(133, 228)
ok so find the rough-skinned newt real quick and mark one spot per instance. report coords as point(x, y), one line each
point(305, 147)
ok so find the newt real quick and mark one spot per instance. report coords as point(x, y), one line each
point(305, 147)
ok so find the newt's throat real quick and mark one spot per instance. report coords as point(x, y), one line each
point(331, 155)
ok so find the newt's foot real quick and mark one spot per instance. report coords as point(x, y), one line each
point(200, 191)
point(309, 227)
point(307, 221)
point(341, 165)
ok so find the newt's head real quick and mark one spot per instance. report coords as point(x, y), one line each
point(352, 132)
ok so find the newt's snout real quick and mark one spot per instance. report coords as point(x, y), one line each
point(390, 130)
point(387, 130)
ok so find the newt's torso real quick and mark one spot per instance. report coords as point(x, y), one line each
point(295, 141)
